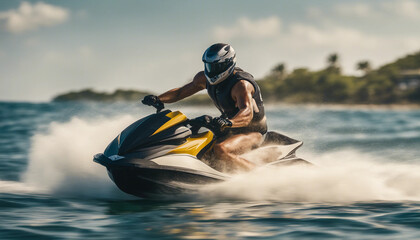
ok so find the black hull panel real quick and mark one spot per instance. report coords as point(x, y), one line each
point(150, 183)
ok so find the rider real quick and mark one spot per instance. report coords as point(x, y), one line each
point(236, 94)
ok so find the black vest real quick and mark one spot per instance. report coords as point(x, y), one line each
point(222, 98)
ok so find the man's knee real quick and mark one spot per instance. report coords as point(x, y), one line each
point(220, 150)
point(256, 138)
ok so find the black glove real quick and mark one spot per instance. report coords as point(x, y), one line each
point(221, 124)
point(152, 100)
point(204, 120)
point(217, 125)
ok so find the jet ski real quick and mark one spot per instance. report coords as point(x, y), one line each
point(164, 154)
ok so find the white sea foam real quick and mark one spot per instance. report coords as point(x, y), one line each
point(343, 176)
point(60, 160)
point(18, 188)
point(61, 163)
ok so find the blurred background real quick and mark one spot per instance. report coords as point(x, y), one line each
point(97, 59)
point(52, 47)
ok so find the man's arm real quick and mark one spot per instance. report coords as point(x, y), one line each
point(197, 84)
point(242, 95)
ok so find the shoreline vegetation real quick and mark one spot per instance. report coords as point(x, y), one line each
point(393, 84)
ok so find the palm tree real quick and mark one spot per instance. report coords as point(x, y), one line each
point(364, 66)
point(333, 65)
point(333, 60)
point(280, 70)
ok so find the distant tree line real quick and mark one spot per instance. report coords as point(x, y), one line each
point(397, 82)
point(91, 95)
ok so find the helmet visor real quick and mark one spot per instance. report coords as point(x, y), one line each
point(214, 69)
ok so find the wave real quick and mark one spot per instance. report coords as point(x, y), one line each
point(60, 162)
point(340, 176)
point(18, 188)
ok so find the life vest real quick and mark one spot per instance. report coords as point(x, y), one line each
point(222, 98)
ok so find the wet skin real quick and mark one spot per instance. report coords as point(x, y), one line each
point(228, 149)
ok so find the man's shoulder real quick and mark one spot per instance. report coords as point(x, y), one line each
point(241, 74)
point(244, 80)
point(200, 75)
point(243, 86)
point(200, 79)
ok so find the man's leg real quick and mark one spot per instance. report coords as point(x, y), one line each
point(227, 151)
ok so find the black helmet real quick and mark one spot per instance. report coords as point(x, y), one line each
point(219, 62)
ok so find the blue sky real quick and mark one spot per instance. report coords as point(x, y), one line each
point(50, 47)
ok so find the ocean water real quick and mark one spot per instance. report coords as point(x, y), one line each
point(365, 183)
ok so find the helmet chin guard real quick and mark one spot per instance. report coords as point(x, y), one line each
point(221, 77)
point(219, 62)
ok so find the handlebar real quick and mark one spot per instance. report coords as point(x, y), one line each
point(152, 100)
point(196, 123)
point(158, 108)
point(203, 121)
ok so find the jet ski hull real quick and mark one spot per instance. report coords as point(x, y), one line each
point(159, 155)
point(167, 177)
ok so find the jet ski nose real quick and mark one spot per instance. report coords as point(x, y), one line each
point(102, 159)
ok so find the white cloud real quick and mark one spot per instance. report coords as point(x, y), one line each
point(244, 27)
point(32, 16)
point(351, 44)
point(297, 34)
point(324, 37)
point(387, 9)
point(354, 9)
point(308, 44)
point(404, 8)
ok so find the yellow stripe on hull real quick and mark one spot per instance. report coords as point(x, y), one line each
point(175, 118)
point(193, 146)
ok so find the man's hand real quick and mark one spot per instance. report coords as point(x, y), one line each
point(218, 125)
point(221, 123)
point(152, 100)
